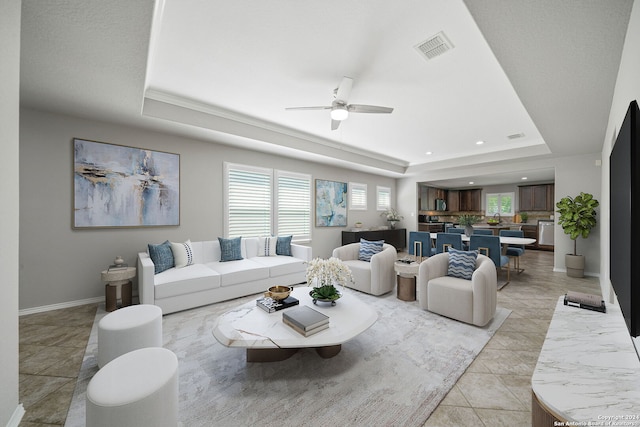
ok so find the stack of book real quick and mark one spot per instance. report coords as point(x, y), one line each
point(118, 267)
point(305, 320)
point(270, 305)
point(586, 301)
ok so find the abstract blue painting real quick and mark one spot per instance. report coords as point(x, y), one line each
point(118, 186)
point(331, 203)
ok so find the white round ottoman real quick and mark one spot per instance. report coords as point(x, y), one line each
point(127, 329)
point(137, 389)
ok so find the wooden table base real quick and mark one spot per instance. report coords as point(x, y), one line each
point(406, 288)
point(278, 354)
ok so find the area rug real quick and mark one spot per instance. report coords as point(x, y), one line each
point(394, 374)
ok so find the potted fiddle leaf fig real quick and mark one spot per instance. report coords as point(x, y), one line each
point(577, 218)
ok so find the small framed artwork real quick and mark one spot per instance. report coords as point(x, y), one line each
point(331, 203)
point(119, 186)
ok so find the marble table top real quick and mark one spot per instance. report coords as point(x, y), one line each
point(588, 369)
point(249, 326)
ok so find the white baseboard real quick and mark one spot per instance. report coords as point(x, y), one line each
point(586, 273)
point(60, 305)
point(15, 419)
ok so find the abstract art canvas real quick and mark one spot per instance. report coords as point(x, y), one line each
point(331, 203)
point(118, 186)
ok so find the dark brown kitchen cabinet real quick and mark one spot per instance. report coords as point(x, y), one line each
point(453, 201)
point(536, 198)
point(470, 200)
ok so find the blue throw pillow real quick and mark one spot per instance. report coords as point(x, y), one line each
point(369, 249)
point(283, 247)
point(162, 256)
point(462, 263)
point(230, 249)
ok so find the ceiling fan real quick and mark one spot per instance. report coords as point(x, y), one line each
point(340, 109)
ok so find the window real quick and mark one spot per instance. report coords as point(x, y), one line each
point(293, 202)
point(384, 198)
point(262, 202)
point(357, 196)
point(501, 203)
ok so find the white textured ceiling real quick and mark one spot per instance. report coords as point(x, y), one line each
point(225, 70)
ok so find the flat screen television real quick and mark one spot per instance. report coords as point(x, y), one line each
point(624, 253)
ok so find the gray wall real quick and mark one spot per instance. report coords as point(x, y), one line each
point(627, 89)
point(61, 265)
point(9, 213)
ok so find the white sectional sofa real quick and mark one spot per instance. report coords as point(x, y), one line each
point(208, 280)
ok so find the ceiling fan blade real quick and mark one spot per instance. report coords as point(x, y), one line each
point(324, 107)
point(359, 108)
point(344, 89)
point(335, 124)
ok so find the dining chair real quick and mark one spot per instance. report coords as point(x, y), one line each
point(514, 251)
point(490, 246)
point(444, 241)
point(424, 241)
point(483, 231)
point(465, 245)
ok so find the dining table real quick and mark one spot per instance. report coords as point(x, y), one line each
point(505, 241)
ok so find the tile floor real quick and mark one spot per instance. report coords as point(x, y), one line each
point(494, 391)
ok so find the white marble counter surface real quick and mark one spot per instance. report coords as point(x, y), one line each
point(588, 370)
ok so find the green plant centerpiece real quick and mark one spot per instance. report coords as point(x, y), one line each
point(467, 221)
point(577, 218)
point(392, 216)
point(524, 216)
point(324, 275)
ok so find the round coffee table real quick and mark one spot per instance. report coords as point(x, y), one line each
point(267, 338)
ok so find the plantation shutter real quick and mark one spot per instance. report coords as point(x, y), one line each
point(248, 208)
point(293, 205)
point(358, 193)
point(384, 198)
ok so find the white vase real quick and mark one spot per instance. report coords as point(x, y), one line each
point(392, 224)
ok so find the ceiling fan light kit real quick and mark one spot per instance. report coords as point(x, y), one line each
point(339, 112)
point(339, 107)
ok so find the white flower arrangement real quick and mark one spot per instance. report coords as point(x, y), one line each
point(391, 215)
point(328, 272)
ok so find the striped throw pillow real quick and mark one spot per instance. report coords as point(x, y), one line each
point(369, 249)
point(462, 263)
point(182, 253)
point(267, 246)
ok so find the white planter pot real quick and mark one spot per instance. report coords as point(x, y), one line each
point(575, 265)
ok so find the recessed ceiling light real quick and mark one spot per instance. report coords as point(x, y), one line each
point(471, 182)
point(428, 153)
point(524, 178)
point(479, 142)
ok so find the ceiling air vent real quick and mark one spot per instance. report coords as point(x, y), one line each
point(434, 46)
point(516, 136)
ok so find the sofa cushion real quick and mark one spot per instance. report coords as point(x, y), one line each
point(161, 256)
point(180, 281)
point(462, 263)
point(281, 265)
point(240, 271)
point(267, 246)
point(283, 247)
point(230, 249)
point(369, 249)
point(182, 254)
point(451, 297)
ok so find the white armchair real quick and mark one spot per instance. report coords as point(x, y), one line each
point(376, 277)
point(470, 301)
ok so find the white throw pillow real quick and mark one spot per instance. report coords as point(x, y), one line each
point(267, 246)
point(182, 253)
